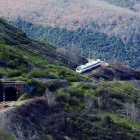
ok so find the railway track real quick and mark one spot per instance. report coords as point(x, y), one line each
point(6, 104)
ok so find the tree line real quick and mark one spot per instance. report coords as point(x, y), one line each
point(89, 43)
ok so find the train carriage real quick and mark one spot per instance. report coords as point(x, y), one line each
point(88, 66)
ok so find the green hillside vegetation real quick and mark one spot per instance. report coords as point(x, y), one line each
point(63, 110)
point(87, 111)
point(5, 136)
point(15, 60)
point(107, 48)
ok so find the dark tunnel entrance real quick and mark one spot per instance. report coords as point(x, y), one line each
point(10, 94)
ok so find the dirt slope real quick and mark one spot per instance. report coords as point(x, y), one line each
point(102, 62)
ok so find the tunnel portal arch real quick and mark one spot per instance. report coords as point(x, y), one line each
point(10, 94)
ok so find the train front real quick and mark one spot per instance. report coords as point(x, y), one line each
point(78, 69)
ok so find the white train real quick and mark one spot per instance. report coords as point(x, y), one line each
point(88, 66)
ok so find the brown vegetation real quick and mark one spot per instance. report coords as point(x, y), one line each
point(73, 14)
point(117, 71)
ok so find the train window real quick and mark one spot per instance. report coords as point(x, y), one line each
point(78, 68)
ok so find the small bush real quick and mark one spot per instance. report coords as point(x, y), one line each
point(67, 107)
point(124, 125)
point(107, 120)
point(74, 101)
point(61, 96)
point(46, 137)
point(23, 75)
point(5, 136)
point(24, 96)
point(26, 134)
point(94, 118)
point(40, 89)
point(52, 85)
point(82, 106)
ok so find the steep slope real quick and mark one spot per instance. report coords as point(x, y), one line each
point(20, 55)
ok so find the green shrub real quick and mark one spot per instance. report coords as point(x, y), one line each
point(40, 89)
point(55, 110)
point(94, 118)
point(83, 86)
point(73, 79)
point(46, 137)
point(61, 96)
point(24, 96)
point(74, 101)
point(28, 76)
point(23, 75)
point(77, 92)
point(32, 82)
point(2, 40)
point(107, 120)
point(21, 33)
point(67, 107)
point(61, 103)
point(52, 85)
point(23, 79)
point(26, 134)
point(5, 136)
point(82, 106)
point(124, 125)
point(117, 96)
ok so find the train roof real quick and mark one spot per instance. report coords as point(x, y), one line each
point(90, 63)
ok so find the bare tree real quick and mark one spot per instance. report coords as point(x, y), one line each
point(99, 101)
point(71, 57)
point(88, 102)
point(136, 88)
point(14, 128)
point(49, 97)
point(107, 95)
point(133, 112)
point(74, 48)
point(127, 109)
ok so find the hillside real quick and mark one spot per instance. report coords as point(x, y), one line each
point(21, 56)
point(87, 111)
point(62, 22)
point(122, 20)
point(118, 71)
point(86, 42)
point(63, 110)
